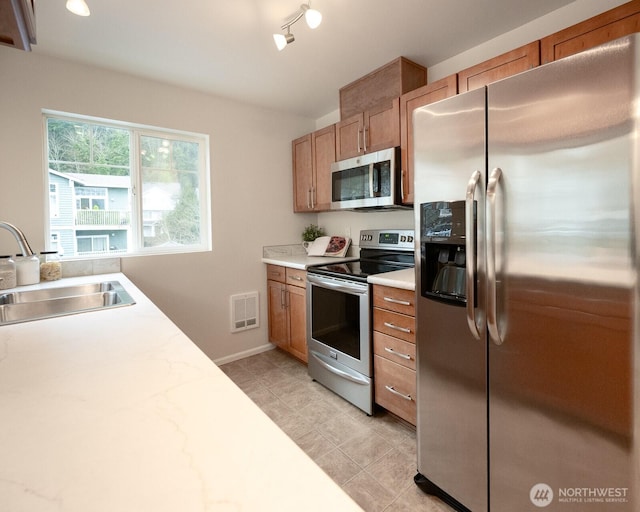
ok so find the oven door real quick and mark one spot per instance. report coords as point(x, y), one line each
point(338, 326)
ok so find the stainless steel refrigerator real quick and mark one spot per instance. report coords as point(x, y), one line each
point(526, 208)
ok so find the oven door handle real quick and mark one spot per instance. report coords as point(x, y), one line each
point(338, 286)
point(337, 371)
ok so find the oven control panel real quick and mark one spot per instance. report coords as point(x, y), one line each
point(397, 239)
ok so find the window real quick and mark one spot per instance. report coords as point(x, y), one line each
point(53, 200)
point(55, 243)
point(117, 188)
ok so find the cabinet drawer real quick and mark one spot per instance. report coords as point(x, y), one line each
point(394, 299)
point(296, 277)
point(398, 351)
point(394, 324)
point(395, 388)
point(275, 272)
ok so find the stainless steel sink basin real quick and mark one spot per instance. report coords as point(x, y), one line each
point(24, 306)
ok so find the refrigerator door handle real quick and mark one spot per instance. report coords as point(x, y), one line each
point(470, 251)
point(492, 316)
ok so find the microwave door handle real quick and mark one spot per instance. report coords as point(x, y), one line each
point(374, 180)
point(371, 181)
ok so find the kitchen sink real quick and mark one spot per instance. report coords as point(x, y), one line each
point(24, 306)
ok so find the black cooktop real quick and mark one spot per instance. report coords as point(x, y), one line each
point(372, 261)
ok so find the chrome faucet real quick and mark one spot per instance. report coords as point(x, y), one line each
point(19, 236)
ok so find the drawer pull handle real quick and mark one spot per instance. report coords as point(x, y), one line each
point(297, 278)
point(397, 327)
point(403, 356)
point(402, 395)
point(396, 301)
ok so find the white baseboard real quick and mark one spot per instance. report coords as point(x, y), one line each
point(246, 353)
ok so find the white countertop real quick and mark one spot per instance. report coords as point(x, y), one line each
point(398, 279)
point(302, 261)
point(117, 410)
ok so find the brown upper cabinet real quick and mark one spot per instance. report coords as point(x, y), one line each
point(420, 97)
point(502, 66)
point(369, 131)
point(381, 86)
point(17, 24)
point(313, 155)
point(618, 22)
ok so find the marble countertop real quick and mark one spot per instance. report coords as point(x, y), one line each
point(302, 262)
point(118, 410)
point(398, 279)
point(294, 256)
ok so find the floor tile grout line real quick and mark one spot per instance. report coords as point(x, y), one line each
point(265, 371)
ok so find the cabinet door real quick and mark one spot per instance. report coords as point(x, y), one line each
point(302, 174)
point(394, 299)
point(435, 91)
point(610, 25)
point(278, 324)
point(297, 322)
point(394, 324)
point(395, 388)
point(349, 137)
point(382, 127)
point(324, 154)
point(507, 64)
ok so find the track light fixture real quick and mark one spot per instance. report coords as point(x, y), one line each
point(78, 7)
point(311, 16)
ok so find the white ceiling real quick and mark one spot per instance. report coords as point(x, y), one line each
point(225, 47)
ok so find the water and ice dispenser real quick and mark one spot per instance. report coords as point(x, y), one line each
point(443, 251)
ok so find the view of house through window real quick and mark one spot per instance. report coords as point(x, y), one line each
point(115, 188)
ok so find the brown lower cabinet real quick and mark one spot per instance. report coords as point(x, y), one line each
point(286, 290)
point(394, 349)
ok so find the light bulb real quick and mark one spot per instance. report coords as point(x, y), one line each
point(313, 18)
point(280, 41)
point(283, 40)
point(78, 7)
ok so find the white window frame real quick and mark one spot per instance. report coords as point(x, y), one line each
point(136, 131)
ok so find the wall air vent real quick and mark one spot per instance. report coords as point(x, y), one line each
point(244, 311)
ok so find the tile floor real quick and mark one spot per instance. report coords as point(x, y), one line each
point(371, 457)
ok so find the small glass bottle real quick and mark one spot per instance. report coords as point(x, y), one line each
point(50, 266)
point(27, 269)
point(7, 273)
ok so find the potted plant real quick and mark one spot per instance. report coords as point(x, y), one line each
point(310, 233)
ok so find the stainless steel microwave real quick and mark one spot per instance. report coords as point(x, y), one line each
point(367, 181)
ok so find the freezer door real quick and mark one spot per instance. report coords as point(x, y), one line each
point(449, 141)
point(563, 179)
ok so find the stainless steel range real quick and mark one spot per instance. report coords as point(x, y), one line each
point(339, 314)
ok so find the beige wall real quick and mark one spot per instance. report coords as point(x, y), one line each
point(251, 184)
